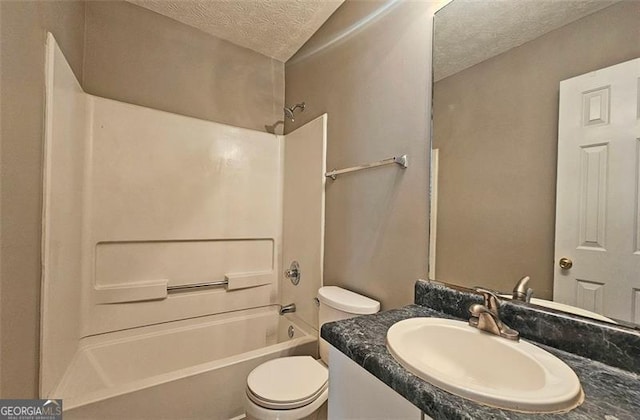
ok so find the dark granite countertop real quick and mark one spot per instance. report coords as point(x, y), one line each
point(610, 393)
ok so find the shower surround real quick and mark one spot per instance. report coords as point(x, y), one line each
point(139, 205)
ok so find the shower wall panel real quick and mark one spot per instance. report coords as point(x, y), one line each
point(65, 151)
point(303, 227)
point(177, 201)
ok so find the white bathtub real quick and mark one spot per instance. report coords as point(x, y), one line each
point(191, 369)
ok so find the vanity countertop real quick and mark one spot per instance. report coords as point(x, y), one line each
point(610, 393)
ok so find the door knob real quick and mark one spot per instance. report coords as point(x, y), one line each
point(565, 263)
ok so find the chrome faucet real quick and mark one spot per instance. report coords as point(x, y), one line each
point(487, 317)
point(286, 309)
point(521, 291)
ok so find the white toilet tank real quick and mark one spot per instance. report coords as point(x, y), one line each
point(337, 303)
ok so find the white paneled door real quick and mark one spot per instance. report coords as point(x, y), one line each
point(597, 250)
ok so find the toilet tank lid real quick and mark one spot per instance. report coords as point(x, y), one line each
point(347, 301)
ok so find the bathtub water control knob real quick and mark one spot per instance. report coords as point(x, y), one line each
point(293, 273)
point(291, 332)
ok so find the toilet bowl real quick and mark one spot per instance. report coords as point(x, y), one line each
point(288, 388)
point(297, 387)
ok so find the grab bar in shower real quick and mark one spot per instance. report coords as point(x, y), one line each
point(231, 282)
point(159, 289)
point(400, 160)
point(198, 285)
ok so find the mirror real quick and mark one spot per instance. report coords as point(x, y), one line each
point(536, 134)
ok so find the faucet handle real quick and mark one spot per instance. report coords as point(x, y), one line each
point(477, 309)
point(491, 300)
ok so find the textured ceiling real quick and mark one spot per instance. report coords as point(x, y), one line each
point(468, 32)
point(275, 28)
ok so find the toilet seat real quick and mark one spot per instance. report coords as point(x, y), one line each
point(287, 383)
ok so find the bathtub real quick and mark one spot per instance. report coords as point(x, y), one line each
point(190, 369)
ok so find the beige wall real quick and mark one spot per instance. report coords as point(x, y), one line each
point(141, 57)
point(496, 129)
point(371, 74)
point(130, 54)
point(23, 29)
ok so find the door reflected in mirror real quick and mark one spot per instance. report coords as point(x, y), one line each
point(536, 140)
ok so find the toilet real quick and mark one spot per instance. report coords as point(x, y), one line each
point(297, 387)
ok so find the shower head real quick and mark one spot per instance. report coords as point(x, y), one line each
point(289, 111)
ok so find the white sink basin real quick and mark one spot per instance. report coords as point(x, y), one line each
point(485, 368)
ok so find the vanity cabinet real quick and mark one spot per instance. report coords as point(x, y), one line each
point(355, 393)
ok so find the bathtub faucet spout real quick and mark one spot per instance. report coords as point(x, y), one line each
point(287, 308)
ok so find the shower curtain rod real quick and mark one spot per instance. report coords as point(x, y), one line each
point(400, 160)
